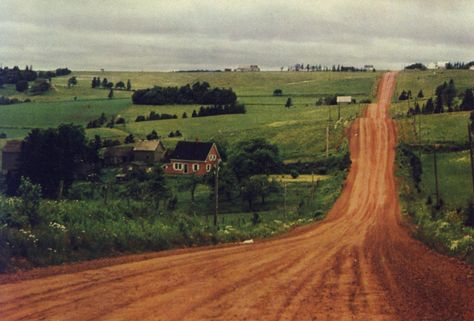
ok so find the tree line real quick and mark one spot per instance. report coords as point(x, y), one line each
point(218, 110)
point(447, 98)
point(155, 116)
point(319, 67)
point(105, 84)
point(15, 74)
point(103, 120)
point(198, 93)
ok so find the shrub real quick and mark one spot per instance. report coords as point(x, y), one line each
point(294, 174)
point(40, 86)
point(21, 85)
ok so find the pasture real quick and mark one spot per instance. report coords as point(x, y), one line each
point(428, 81)
point(446, 129)
point(299, 131)
point(455, 183)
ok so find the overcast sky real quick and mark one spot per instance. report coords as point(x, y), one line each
point(186, 34)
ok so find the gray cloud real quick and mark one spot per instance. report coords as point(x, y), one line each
point(180, 34)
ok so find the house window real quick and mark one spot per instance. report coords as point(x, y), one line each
point(208, 167)
point(212, 157)
point(195, 167)
point(178, 166)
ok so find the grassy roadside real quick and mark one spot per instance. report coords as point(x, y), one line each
point(441, 228)
point(77, 230)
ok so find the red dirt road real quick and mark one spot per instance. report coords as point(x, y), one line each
point(358, 264)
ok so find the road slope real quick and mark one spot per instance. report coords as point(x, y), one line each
point(358, 264)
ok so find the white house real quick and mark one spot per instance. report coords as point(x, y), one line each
point(437, 65)
point(247, 68)
point(369, 68)
point(471, 68)
point(441, 64)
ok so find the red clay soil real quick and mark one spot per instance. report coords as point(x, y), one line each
point(358, 264)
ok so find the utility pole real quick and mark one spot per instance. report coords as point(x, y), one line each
point(419, 136)
point(327, 140)
point(471, 154)
point(216, 193)
point(436, 175)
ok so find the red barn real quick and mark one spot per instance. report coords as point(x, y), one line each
point(188, 158)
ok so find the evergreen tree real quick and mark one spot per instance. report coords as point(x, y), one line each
point(153, 135)
point(289, 102)
point(468, 100)
point(439, 105)
point(429, 108)
point(421, 94)
point(129, 139)
point(417, 108)
point(129, 85)
point(185, 115)
point(450, 93)
point(111, 93)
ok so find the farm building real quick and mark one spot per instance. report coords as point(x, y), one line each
point(117, 155)
point(10, 156)
point(248, 68)
point(369, 68)
point(471, 67)
point(196, 158)
point(437, 65)
point(149, 151)
point(344, 99)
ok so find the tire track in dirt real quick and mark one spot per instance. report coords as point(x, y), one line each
point(358, 264)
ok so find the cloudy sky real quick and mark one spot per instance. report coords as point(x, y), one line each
point(188, 34)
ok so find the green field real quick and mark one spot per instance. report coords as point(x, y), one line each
point(298, 131)
point(447, 129)
point(430, 79)
point(454, 172)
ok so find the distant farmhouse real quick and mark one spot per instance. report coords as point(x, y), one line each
point(11, 156)
point(369, 68)
point(437, 65)
point(188, 158)
point(471, 67)
point(247, 68)
point(145, 151)
point(197, 158)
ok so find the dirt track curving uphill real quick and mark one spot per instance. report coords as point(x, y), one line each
point(358, 264)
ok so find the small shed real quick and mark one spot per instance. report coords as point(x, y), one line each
point(344, 99)
point(10, 156)
point(117, 155)
point(149, 151)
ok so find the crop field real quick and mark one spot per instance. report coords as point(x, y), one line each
point(299, 131)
